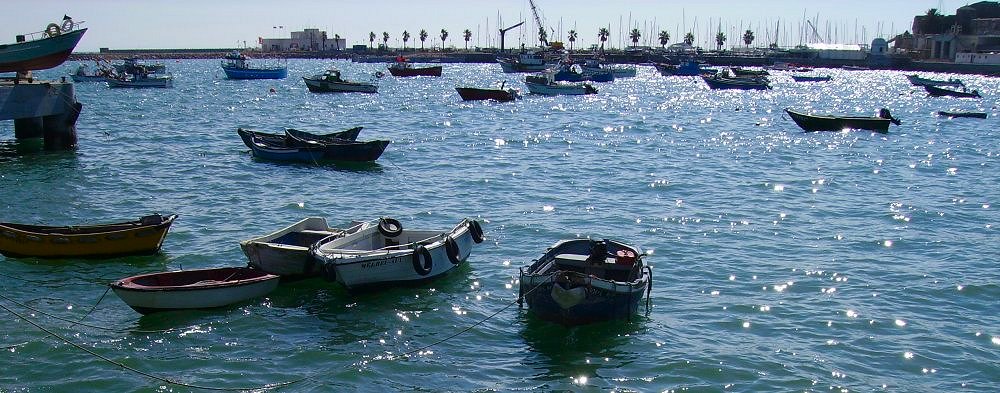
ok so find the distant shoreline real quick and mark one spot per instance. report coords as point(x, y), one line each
point(723, 59)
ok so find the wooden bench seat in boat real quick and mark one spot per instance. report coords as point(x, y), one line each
point(609, 269)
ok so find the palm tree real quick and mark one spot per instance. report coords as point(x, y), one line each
point(371, 40)
point(664, 38)
point(444, 36)
point(748, 37)
point(602, 35)
point(385, 40)
point(543, 37)
point(336, 41)
point(423, 37)
point(689, 38)
point(634, 36)
point(467, 34)
point(406, 37)
point(572, 38)
point(720, 39)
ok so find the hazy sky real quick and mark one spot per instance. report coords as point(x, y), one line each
point(124, 24)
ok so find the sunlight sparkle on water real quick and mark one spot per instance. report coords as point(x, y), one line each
point(779, 187)
point(908, 355)
point(852, 314)
point(900, 322)
point(548, 208)
point(887, 243)
point(995, 340)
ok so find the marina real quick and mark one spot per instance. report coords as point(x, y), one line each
point(710, 241)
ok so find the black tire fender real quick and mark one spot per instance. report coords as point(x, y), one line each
point(423, 263)
point(454, 254)
point(476, 231)
point(389, 227)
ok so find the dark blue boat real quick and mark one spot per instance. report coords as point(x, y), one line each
point(575, 73)
point(581, 281)
point(272, 147)
point(305, 147)
point(238, 66)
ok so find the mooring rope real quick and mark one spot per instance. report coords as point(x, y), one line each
point(94, 307)
point(144, 373)
point(35, 310)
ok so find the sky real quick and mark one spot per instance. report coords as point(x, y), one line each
point(153, 24)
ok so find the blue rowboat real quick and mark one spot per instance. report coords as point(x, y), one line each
point(238, 66)
point(49, 51)
point(580, 281)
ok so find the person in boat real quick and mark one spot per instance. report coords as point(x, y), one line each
point(334, 76)
point(884, 113)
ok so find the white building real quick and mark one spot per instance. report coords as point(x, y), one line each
point(305, 40)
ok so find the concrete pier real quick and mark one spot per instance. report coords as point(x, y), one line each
point(41, 109)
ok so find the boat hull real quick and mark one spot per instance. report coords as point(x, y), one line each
point(255, 73)
point(143, 236)
point(369, 258)
point(838, 123)
point(569, 286)
point(423, 71)
point(193, 289)
point(935, 91)
point(264, 148)
point(475, 94)
point(39, 54)
point(734, 84)
point(560, 89)
point(918, 81)
point(321, 86)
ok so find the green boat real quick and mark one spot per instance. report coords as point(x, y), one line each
point(51, 49)
point(810, 122)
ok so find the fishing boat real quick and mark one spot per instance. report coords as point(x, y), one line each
point(580, 281)
point(286, 251)
point(52, 47)
point(617, 71)
point(737, 71)
point(576, 73)
point(545, 85)
point(810, 122)
point(935, 91)
point(719, 82)
point(916, 80)
point(142, 236)
point(350, 134)
point(687, 68)
point(477, 94)
point(274, 148)
point(238, 66)
point(141, 81)
point(137, 66)
point(975, 115)
point(193, 289)
point(809, 78)
point(524, 62)
point(83, 74)
point(331, 82)
point(403, 67)
point(387, 253)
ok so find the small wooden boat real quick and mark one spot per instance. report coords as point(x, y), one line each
point(545, 85)
point(286, 252)
point(617, 71)
point(718, 82)
point(331, 82)
point(192, 289)
point(274, 148)
point(575, 73)
point(51, 49)
point(581, 281)
point(975, 115)
point(402, 67)
point(839, 123)
point(387, 253)
point(238, 66)
point(142, 236)
point(477, 94)
point(141, 81)
point(935, 91)
point(335, 149)
point(918, 81)
point(807, 78)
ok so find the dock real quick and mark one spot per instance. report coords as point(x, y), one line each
point(41, 109)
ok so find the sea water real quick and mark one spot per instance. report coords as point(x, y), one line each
point(782, 260)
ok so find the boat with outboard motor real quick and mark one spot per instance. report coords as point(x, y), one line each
point(403, 67)
point(545, 84)
point(331, 82)
point(237, 65)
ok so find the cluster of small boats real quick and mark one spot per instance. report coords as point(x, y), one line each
point(131, 72)
point(301, 146)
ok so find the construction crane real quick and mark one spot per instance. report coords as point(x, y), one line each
point(504, 31)
point(538, 20)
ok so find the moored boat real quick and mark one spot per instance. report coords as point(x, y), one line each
point(748, 72)
point(545, 85)
point(810, 122)
point(576, 73)
point(238, 66)
point(141, 81)
point(136, 66)
point(916, 80)
point(274, 148)
point(524, 62)
point(580, 281)
point(687, 68)
point(193, 289)
point(935, 91)
point(83, 74)
point(331, 82)
point(477, 94)
point(975, 115)
point(617, 71)
point(403, 67)
point(388, 253)
point(51, 49)
point(305, 147)
point(810, 78)
point(142, 236)
point(286, 251)
point(719, 82)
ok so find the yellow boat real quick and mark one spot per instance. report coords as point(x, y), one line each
point(143, 236)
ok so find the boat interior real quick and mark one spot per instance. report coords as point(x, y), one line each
point(302, 238)
point(371, 239)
